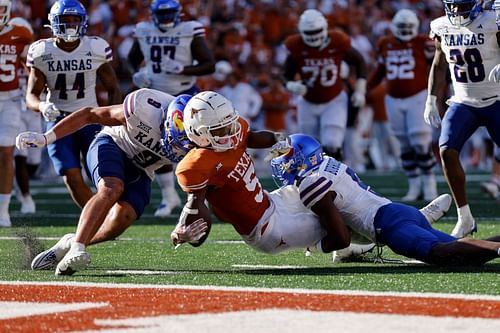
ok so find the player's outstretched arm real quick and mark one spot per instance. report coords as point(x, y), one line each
point(338, 235)
point(107, 115)
point(263, 139)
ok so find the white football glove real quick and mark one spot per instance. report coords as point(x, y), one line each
point(431, 112)
point(187, 234)
point(49, 111)
point(279, 148)
point(494, 75)
point(358, 98)
point(172, 66)
point(27, 140)
point(141, 79)
point(296, 87)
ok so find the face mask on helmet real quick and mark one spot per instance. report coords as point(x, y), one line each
point(313, 28)
point(68, 20)
point(304, 156)
point(212, 122)
point(5, 6)
point(175, 142)
point(165, 13)
point(462, 12)
point(405, 25)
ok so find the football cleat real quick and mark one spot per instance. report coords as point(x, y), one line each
point(464, 227)
point(490, 188)
point(414, 187)
point(437, 208)
point(5, 221)
point(28, 205)
point(163, 209)
point(168, 205)
point(49, 259)
point(75, 260)
point(352, 253)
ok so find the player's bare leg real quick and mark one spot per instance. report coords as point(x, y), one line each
point(77, 188)
point(119, 218)
point(455, 177)
point(92, 217)
point(465, 251)
point(6, 179)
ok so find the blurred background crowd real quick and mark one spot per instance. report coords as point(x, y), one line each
point(247, 37)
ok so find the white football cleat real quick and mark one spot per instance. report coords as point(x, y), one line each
point(353, 252)
point(75, 260)
point(490, 188)
point(437, 208)
point(5, 221)
point(168, 204)
point(49, 259)
point(28, 205)
point(464, 227)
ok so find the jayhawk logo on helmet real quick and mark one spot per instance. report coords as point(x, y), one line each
point(175, 142)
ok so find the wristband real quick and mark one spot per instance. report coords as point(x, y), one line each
point(50, 137)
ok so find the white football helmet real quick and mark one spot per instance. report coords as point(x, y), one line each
point(405, 25)
point(211, 121)
point(313, 28)
point(19, 21)
point(5, 14)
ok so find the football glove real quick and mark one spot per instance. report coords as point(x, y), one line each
point(173, 67)
point(279, 148)
point(296, 87)
point(191, 233)
point(358, 99)
point(431, 113)
point(27, 140)
point(49, 111)
point(494, 75)
point(141, 79)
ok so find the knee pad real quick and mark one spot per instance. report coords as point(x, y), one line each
point(425, 158)
point(408, 161)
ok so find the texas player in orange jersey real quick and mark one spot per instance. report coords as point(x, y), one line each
point(404, 59)
point(13, 41)
point(220, 171)
point(314, 57)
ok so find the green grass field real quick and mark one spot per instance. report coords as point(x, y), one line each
point(144, 253)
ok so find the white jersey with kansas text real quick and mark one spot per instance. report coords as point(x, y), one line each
point(472, 52)
point(356, 202)
point(140, 139)
point(71, 76)
point(175, 43)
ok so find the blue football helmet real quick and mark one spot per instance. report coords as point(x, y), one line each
point(304, 155)
point(462, 12)
point(175, 142)
point(69, 32)
point(166, 13)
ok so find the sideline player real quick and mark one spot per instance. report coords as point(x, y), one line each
point(315, 56)
point(403, 60)
point(467, 43)
point(68, 66)
point(14, 40)
point(175, 53)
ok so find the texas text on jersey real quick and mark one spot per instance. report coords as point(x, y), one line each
point(320, 67)
point(234, 191)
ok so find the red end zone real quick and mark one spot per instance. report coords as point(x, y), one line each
point(126, 302)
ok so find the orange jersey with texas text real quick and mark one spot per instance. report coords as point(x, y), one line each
point(13, 40)
point(406, 64)
point(233, 189)
point(320, 69)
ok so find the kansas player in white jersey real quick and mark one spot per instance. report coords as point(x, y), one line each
point(122, 159)
point(68, 65)
point(174, 53)
point(467, 43)
point(331, 188)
